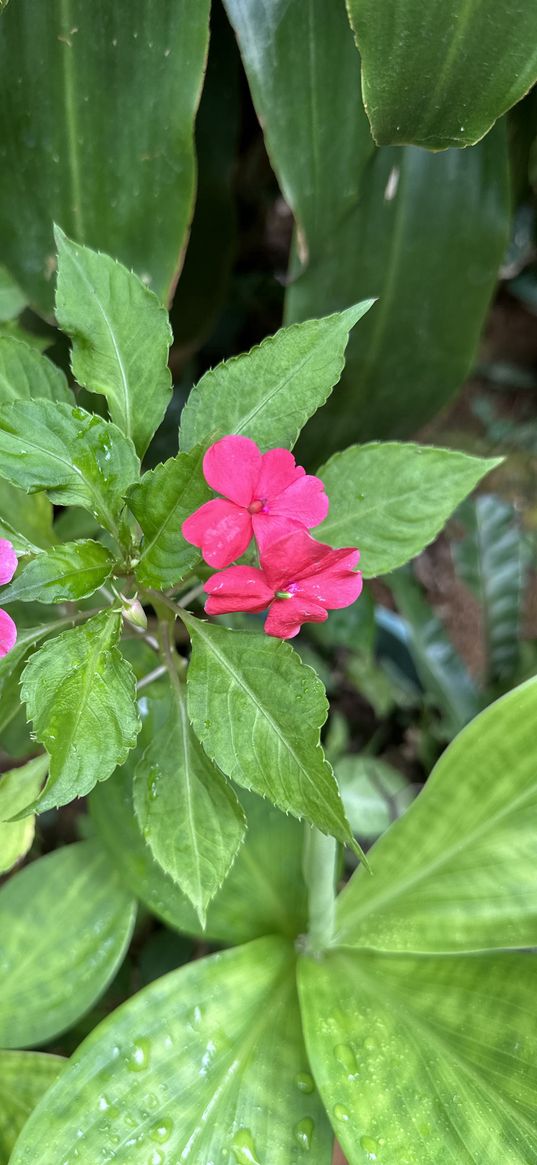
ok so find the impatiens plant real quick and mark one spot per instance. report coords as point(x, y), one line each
point(394, 1017)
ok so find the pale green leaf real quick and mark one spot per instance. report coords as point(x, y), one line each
point(80, 694)
point(268, 394)
point(11, 665)
point(258, 712)
point(12, 299)
point(421, 1060)
point(121, 335)
point(25, 519)
point(458, 871)
point(25, 375)
point(18, 788)
point(68, 572)
point(374, 793)
point(160, 502)
point(219, 1048)
point(24, 1077)
point(390, 500)
point(51, 974)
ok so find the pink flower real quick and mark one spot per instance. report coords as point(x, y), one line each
point(264, 494)
point(300, 580)
point(8, 566)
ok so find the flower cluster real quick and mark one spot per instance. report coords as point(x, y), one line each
point(8, 566)
point(269, 497)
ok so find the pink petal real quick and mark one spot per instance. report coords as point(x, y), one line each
point(8, 633)
point(278, 470)
point(240, 588)
point(286, 616)
point(336, 587)
point(232, 466)
point(305, 501)
point(268, 530)
point(8, 561)
point(292, 554)
point(221, 529)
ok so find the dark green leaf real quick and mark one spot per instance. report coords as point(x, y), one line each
point(24, 1077)
point(25, 374)
point(160, 502)
point(12, 299)
point(65, 573)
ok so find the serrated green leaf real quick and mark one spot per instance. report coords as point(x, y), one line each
point(65, 573)
point(11, 665)
point(25, 519)
point(121, 335)
point(24, 1077)
point(392, 499)
point(52, 974)
point(79, 459)
point(80, 694)
point(160, 502)
point(268, 394)
point(12, 298)
point(18, 788)
point(219, 1045)
point(458, 871)
point(189, 815)
point(25, 375)
point(258, 712)
point(424, 1059)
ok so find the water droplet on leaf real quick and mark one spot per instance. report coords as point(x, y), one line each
point(304, 1132)
point(305, 1082)
point(370, 1146)
point(243, 1148)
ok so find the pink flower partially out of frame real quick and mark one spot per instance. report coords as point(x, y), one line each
point(264, 495)
point(8, 566)
point(300, 580)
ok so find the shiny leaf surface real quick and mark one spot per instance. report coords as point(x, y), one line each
point(160, 502)
point(61, 575)
point(26, 374)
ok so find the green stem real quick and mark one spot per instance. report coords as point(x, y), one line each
point(319, 864)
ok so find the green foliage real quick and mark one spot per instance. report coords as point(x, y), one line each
point(25, 519)
point(80, 694)
point(65, 573)
point(12, 299)
point(25, 374)
point(160, 502)
point(121, 335)
point(24, 1077)
point(17, 789)
point(49, 977)
point(11, 665)
point(374, 793)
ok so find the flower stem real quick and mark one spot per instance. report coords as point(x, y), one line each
point(319, 864)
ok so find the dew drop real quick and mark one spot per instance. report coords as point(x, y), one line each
point(305, 1082)
point(370, 1147)
point(345, 1056)
point(303, 1132)
point(370, 1044)
point(156, 1158)
point(162, 1131)
point(243, 1148)
point(340, 1113)
point(138, 1059)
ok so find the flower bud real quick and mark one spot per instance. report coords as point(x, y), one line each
point(134, 613)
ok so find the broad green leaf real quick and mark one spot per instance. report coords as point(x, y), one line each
point(160, 502)
point(442, 78)
point(268, 394)
point(488, 559)
point(25, 375)
point(121, 335)
point(12, 299)
point(99, 132)
point(189, 815)
point(25, 519)
point(24, 1077)
point(392, 499)
point(17, 789)
point(258, 712)
point(13, 330)
point(50, 975)
point(61, 575)
point(80, 694)
point(374, 793)
point(421, 1060)
point(205, 1064)
point(78, 458)
point(458, 871)
point(11, 665)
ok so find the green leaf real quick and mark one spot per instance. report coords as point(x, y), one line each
point(121, 335)
point(12, 299)
point(458, 871)
point(422, 1059)
point(258, 712)
point(489, 561)
point(65, 573)
point(11, 665)
point(24, 1077)
point(374, 793)
point(25, 519)
point(218, 1044)
point(52, 974)
point(17, 789)
point(160, 502)
point(391, 499)
point(25, 374)
point(189, 815)
point(80, 695)
point(268, 394)
point(444, 80)
point(99, 132)
point(78, 458)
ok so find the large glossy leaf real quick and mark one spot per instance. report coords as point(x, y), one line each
point(268, 394)
point(52, 974)
point(24, 1077)
point(205, 1064)
point(78, 458)
point(258, 711)
point(26, 374)
point(25, 519)
point(425, 1059)
point(391, 499)
point(161, 501)
point(121, 336)
point(79, 692)
point(441, 77)
point(98, 133)
point(17, 789)
point(65, 573)
point(458, 871)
